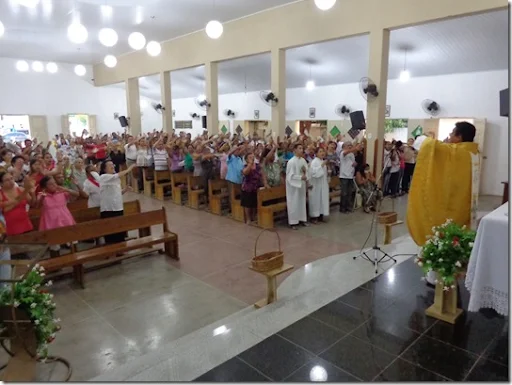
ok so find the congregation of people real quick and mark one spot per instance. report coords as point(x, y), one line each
point(92, 167)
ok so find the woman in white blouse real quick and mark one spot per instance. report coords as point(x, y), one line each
point(92, 186)
point(111, 196)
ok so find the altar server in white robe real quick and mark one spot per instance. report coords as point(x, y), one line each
point(296, 187)
point(319, 194)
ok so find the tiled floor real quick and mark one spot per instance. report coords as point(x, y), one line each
point(378, 332)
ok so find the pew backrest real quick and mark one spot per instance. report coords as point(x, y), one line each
point(215, 185)
point(270, 194)
point(79, 204)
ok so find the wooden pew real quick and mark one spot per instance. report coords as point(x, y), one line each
point(194, 194)
point(79, 204)
point(334, 190)
point(86, 215)
point(100, 228)
point(162, 180)
point(179, 182)
point(237, 211)
point(148, 179)
point(216, 194)
point(267, 209)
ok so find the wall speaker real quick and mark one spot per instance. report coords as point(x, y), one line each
point(123, 121)
point(205, 124)
point(357, 120)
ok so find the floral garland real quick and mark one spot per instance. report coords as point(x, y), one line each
point(447, 252)
point(31, 296)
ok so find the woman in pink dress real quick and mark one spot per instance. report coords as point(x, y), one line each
point(53, 201)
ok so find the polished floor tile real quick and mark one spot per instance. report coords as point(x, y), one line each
point(319, 370)
point(498, 349)
point(276, 358)
point(234, 370)
point(386, 335)
point(340, 316)
point(312, 335)
point(358, 358)
point(486, 370)
point(401, 370)
point(442, 358)
point(368, 301)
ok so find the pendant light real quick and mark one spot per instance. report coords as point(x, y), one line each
point(154, 48)
point(136, 40)
point(37, 66)
point(52, 67)
point(405, 75)
point(214, 28)
point(80, 70)
point(108, 37)
point(22, 66)
point(110, 61)
point(325, 5)
point(310, 84)
point(77, 33)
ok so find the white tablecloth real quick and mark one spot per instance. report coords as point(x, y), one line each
point(488, 269)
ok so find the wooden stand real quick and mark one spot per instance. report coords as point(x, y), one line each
point(445, 305)
point(388, 237)
point(271, 284)
point(148, 183)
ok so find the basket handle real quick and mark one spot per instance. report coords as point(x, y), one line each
point(270, 231)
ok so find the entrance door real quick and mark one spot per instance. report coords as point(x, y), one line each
point(39, 128)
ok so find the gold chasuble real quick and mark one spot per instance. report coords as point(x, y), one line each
point(444, 186)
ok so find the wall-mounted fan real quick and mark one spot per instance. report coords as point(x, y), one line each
point(193, 115)
point(158, 107)
point(431, 107)
point(202, 103)
point(368, 89)
point(269, 98)
point(230, 113)
point(342, 110)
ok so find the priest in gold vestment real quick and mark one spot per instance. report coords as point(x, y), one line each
point(445, 183)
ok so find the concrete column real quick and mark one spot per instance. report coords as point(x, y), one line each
point(376, 108)
point(133, 106)
point(278, 84)
point(165, 92)
point(212, 95)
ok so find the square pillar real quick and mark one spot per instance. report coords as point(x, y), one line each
point(278, 87)
point(376, 108)
point(133, 106)
point(165, 92)
point(212, 95)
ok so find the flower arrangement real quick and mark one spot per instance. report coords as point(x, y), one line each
point(31, 296)
point(447, 252)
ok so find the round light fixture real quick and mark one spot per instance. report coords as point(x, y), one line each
point(52, 68)
point(28, 3)
point(214, 29)
point(80, 70)
point(325, 5)
point(108, 37)
point(2, 29)
point(110, 61)
point(37, 66)
point(154, 48)
point(77, 33)
point(310, 85)
point(22, 66)
point(136, 40)
point(405, 75)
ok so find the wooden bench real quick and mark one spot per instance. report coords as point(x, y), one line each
point(179, 182)
point(91, 214)
point(79, 204)
point(162, 180)
point(148, 179)
point(196, 188)
point(217, 191)
point(100, 228)
point(237, 211)
point(266, 209)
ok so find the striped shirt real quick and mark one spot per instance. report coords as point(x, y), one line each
point(160, 157)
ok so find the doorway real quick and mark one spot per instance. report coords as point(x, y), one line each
point(15, 128)
point(78, 123)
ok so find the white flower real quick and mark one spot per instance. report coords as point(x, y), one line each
point(49, 283)
point(56, 320)
point(433, 229)
point(440, 259)
point(453, 286)
point(42, 274)
point(16, 303)
point(416, 260)
point(36, 322)
point(446, 288)
point(33, 291)
point(458, 264)
point(420, 264)
point(440, 246)
point(41, 268)
point(51, 295)
point(32, 305)
point(437, 234)
point(464, 227)
point(36, 266)
point(471, 244)
point(429, 262)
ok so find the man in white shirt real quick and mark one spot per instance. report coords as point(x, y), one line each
point(347, 168)
point(130, 153)
point(296, 178)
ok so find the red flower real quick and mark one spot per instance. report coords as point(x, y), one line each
point(441, 235)
point(455, 241)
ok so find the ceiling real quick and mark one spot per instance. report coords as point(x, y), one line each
point(42, 31)
point(468, 44)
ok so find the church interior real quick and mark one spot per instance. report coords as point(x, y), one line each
point(254, 190)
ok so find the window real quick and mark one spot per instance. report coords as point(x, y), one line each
point(183, 124)
point(15, 128)
point(77, 124)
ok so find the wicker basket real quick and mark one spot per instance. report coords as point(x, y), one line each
point(387, 217)
point(268, 261)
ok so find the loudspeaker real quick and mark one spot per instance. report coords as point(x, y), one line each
point(205, 123)
point(504, 103)
point(357, 120)
point(123, 121)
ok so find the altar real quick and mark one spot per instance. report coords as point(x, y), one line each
point(488, 270)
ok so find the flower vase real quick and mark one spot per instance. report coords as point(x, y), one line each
point(445, 304)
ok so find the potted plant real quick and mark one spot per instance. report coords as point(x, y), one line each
point(446, 252)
